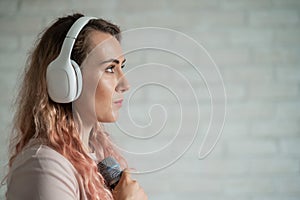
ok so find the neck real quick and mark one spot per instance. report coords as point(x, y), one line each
point(85, 128)
point(85, 132)
point(85, 121)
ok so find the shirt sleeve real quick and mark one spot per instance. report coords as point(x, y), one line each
point(43, 177)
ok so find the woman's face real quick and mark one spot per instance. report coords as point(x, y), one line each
point(103, 76)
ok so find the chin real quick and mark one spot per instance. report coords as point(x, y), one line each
point(110, 119)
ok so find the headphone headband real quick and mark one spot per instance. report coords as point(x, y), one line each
point(72, 36)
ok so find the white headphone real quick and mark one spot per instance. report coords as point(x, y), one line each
point(64, 79)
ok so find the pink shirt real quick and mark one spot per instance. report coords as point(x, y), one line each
point(41, 173)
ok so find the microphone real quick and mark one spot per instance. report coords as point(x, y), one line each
point(111, 171)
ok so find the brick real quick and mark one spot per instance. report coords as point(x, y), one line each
point(156, 74)
point(161, 19)
point(192, 5)
point(251, 37)
point(199, 75)
point(293, 4)
point(202, 20)
point(209, 167)
point(290, 186)
point(232, 92)
point(274, 167)
point(248, 74)
point(35, 7)
point(13, 62)
point(8, 43)
point(6, 114)
point(250, 110)
point(276, 56)
point(27, 43)
point(287, 37)
point(290, 146)
point(4, 154)
point(289, 108)
point(190, 196)
point(198, 92)
point(244, 186)
point(8, 7)
point(253, 147)
point(274, 91)
point(170, 182)
point(18, 25)
point(103, 7)
point(218, 152)
point(223, 168)
point(222, 19)
point(235, 129)
point(287, 74)
point(6, 84)
point(142, 6)
point(274, 18)
point(275, 128)
point(230, 57)
point(196, 185)
point(276, 196)
point(212, 39)
point(250, 5)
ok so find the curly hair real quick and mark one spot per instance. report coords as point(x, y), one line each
point(37, 116)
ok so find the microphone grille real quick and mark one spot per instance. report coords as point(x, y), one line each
point(110, 170)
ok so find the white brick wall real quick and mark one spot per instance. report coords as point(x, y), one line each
point(255, 44)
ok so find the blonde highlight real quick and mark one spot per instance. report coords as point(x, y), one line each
point(52, 124)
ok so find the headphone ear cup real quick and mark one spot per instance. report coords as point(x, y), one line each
point(62, 81)
point(78, 79)
point(58, 80)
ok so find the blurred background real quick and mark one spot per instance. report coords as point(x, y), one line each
point(256, 46)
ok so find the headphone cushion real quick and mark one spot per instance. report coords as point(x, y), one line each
point(78, 78)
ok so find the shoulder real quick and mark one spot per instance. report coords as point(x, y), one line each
point(41, 158)
point(40, 172)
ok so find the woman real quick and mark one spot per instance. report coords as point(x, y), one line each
point(56, 146)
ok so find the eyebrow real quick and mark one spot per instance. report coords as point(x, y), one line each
point(113, 60)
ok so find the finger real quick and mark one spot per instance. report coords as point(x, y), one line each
point(127, 173)
point(142, 194)
point(125, 176)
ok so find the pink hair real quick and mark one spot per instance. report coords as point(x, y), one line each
point(38, 117)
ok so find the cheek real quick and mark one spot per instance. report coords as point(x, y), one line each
point(104, 97)
point(104, 93)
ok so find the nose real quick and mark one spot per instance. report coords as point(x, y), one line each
point(123, 85)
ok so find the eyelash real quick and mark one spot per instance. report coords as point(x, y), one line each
point(112, 67)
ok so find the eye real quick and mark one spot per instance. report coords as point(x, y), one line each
point(110, 69)
point(123, 66)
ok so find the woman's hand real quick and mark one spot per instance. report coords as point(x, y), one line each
point(128, 189)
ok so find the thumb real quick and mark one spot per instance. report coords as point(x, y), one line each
point(124, 180)
point(126, 175)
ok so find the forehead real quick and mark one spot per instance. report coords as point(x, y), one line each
point(104, 43)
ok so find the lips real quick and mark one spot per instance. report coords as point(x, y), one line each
point(119, 101)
